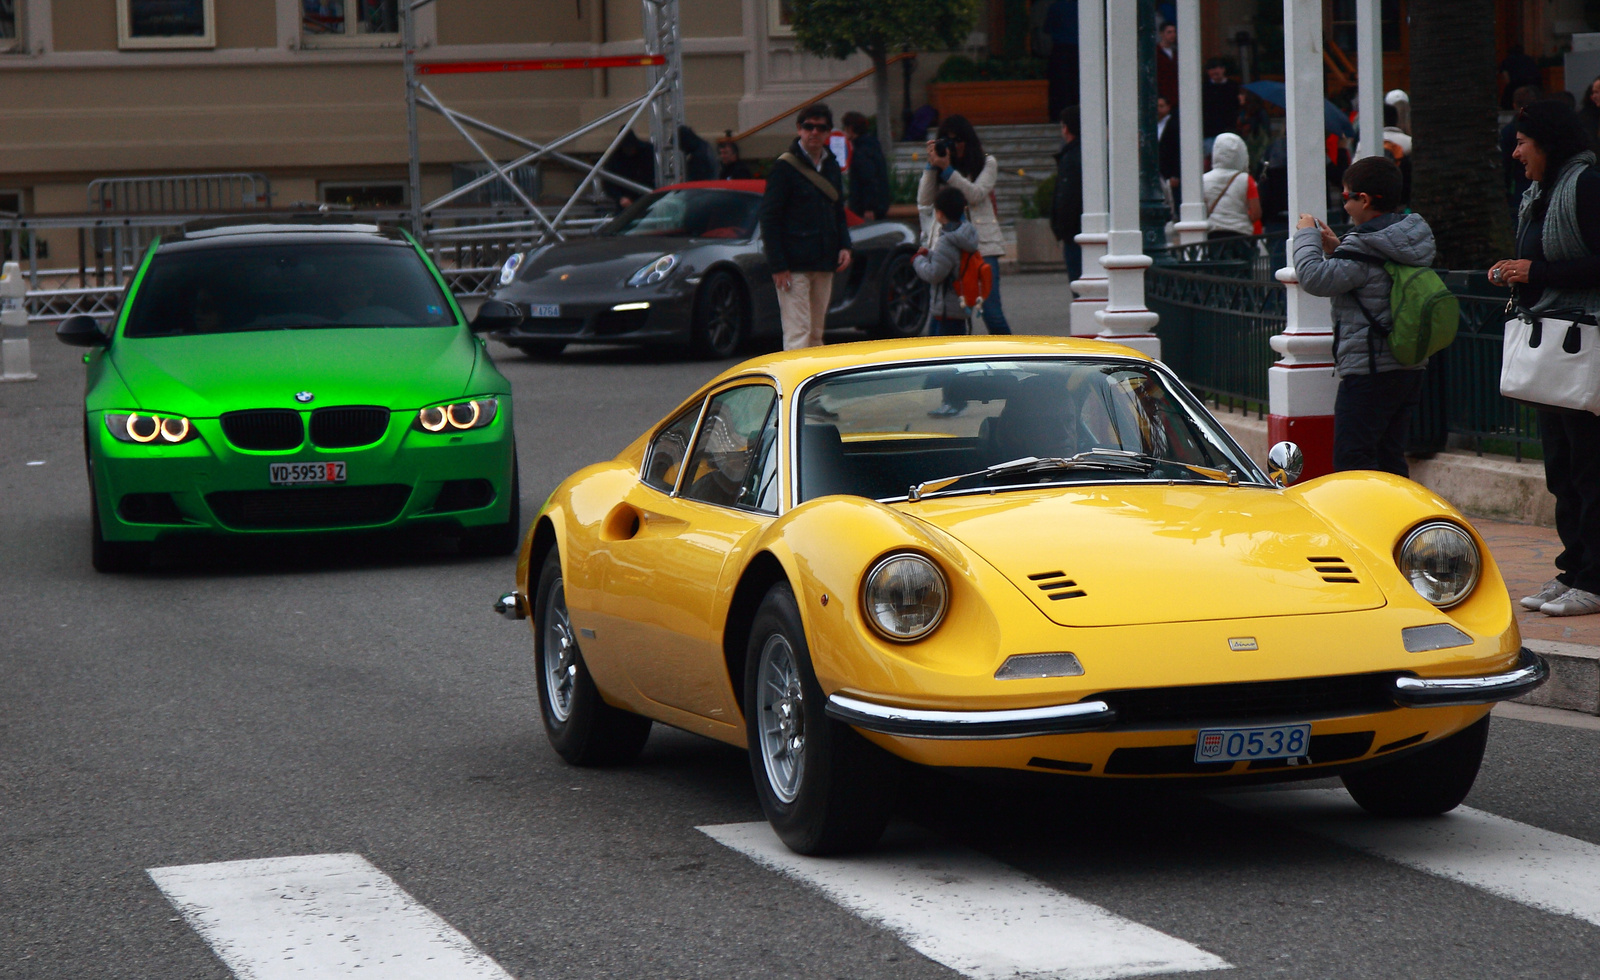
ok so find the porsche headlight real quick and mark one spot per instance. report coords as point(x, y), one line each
point(654, 272)
point(904, 596)
point(1441, 562)
point(508, 271)
point(474, 414)
point(162, 430)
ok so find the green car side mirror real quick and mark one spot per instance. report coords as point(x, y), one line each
point(496, 315)
point(81, 331)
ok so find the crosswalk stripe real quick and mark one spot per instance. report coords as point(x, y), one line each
point(320, 915)
point(1525, 864)
point(973, 914)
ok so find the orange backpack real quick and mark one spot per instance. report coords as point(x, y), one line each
point(974, 279)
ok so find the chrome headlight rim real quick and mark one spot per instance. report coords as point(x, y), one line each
point(445, 417)
point(655, 271)
point(168, 429)
point(1451, 527)
point(878, 566)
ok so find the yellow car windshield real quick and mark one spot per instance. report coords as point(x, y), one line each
point(879, 431)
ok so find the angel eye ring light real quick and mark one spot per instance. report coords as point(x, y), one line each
point(471, 414)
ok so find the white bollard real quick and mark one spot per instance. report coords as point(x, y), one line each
point(14, 355)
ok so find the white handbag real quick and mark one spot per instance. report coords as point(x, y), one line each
point(1552, 361)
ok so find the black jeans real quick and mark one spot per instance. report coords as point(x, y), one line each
point(1572, 472)
point(1371, 417)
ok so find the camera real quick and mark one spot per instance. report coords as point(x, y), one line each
point(945, 147)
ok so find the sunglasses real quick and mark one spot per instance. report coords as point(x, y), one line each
point(815, 127)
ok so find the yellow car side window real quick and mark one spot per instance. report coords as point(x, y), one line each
point(668, 451)
point(729, 445)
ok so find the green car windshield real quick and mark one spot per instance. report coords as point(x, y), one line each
point(280, 287)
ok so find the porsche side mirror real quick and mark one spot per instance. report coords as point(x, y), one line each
point(1284, 463)
point(81, 331)
point(495, 315)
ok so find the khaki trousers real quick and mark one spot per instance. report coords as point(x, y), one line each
point(803, 308)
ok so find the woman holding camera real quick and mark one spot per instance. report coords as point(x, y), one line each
point(956, 159)
point(1557, 273)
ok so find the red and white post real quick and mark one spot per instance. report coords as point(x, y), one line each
point(1301, 386)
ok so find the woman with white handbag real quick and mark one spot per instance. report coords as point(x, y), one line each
point(1552, 348)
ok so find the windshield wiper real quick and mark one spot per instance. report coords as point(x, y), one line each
point(1105, 460)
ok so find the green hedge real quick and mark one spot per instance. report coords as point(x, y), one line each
point(960, 68)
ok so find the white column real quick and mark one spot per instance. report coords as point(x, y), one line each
point(1301, 386)
point(1369, 76)
point(1191, 134)
point(1091, 289)
point(1125, 319)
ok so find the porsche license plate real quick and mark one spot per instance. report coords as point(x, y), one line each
point(1234, 744)
point(289, 474)
point(545, 310)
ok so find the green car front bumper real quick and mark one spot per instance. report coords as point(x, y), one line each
point(456, 479)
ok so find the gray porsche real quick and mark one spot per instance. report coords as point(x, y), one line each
point(683, 267)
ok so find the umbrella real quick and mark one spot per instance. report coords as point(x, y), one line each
point(1333, 118)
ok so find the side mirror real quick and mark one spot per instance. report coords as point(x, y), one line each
point(1284, 463)
point(495, 315)
point(81, 331)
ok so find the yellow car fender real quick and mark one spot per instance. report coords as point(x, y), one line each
point(1375, 512)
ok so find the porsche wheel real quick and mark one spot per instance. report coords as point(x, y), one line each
point(905, 300)
point(541, 350)
point(720, 320)
point(583, 729)
point(1425, 783)
point(824, 788)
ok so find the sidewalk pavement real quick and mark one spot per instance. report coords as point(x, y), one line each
point(1526, 555)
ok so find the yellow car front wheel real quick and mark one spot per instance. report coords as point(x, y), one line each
point(1430, 781)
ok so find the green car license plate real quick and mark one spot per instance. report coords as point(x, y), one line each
point(290, 474)
point(1234, 744)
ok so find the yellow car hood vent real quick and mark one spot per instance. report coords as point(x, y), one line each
point(1132, 555)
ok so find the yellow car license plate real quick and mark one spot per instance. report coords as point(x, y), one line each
point(289, 474)
point(1234, 744)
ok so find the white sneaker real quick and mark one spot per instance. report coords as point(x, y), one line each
point(1573, 602)
point(1548, 592)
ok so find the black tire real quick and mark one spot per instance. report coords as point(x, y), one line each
point(842, 788)
point(1427, 782)
point(541, 350)
point(113, 556)
point(592, 733)
point(721, 324)
point(904, 308)
point(498, 539)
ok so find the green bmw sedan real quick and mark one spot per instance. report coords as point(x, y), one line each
point(272, 377)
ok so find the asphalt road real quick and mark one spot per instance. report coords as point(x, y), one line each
point(359, 697)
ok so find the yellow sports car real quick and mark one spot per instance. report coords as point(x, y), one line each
point(1022, 553)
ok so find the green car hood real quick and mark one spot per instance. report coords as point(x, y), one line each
point(203, 376)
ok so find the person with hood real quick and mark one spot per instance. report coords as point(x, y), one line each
point(956, 158)
point(1233, 204)
point(1558, 268)
point(699, 159)
point(634, 159)
point(1372, 410)
point(938, 265)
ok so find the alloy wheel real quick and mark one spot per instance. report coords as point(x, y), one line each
point(560, 653)
point(782, 718)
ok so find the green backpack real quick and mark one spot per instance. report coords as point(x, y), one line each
point(1426, 313)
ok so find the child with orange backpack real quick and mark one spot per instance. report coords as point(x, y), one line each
point(960, 278)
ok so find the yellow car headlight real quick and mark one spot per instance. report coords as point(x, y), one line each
point(140, 427)
point(904, 596)
point(1441, 562)
point(474, 414)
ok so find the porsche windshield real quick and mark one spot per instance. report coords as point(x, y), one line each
point(979, 425)
point(690, 212)
point(270, 287)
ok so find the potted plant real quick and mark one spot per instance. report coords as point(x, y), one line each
point(991, 92)
point(1036, 244)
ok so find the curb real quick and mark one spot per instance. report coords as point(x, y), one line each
point(1574, 683)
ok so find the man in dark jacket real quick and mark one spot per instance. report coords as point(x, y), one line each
point(803, 228)
point(869, 171)
point(1066, 208)
point(634, 159)
point(1219, 102)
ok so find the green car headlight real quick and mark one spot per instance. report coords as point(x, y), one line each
point(474, 414)
point(163, 430)
point(1441, 562)
point(904, 596)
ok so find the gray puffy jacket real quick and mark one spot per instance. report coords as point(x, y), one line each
point(1405, 239)
point(939, 267)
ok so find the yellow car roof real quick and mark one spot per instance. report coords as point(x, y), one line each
point(792, 367)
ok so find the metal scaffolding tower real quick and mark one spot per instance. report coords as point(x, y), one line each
point(663, 98)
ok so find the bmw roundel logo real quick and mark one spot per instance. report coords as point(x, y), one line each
point(303, 396)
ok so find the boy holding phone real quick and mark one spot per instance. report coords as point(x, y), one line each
point(1372, 412)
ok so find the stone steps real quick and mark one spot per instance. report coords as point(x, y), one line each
point(1030, 149)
